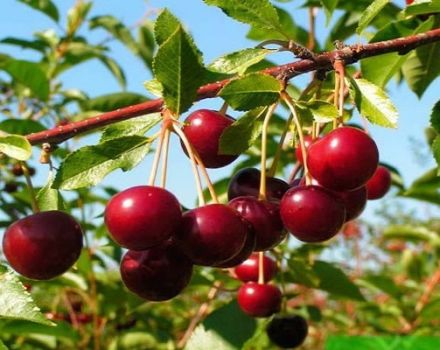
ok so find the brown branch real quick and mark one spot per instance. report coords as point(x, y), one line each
point(321, 62)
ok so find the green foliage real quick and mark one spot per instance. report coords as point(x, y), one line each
point(238, 62)
point(370, 12)
point(45, 6)
point(15, 146)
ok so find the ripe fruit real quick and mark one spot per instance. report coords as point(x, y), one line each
point(265, 219)
point(259, 300)
point(11, 187)
point(409, 2)
point(212, 234)
point(246, 182)
point(344, 159)
point(156, 274)
point(312, 213)
point(354, 202)
point(245, 252)
point(17, 169)
point(287, 331)
point(142, 217)
point(308, 140)
point(248, 270)
point(43, 245)
point(379, 184)
point(203, 129)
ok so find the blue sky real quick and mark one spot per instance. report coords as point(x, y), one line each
point(215, 35)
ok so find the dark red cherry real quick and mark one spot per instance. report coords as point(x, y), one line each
point(203, 129)
point(354, 202)
point(344, 159)
point(259, 300)
point(212, 234)
point(379, 184)
point(409, 2)
point(246, 182)
point(245, 252)
point(156, 274)
point(248, 270)
point(43, 245)
point(142, 217)
point(17, 170)
point(308, 140)
point(287, 331)
point(265, 219)
point(312, 213)
point(10, 187)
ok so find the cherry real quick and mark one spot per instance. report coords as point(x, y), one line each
point(354, 202)
point(344, 159)
point(259, 300)
point(245, 252)
point(409, 2)
point(11, 187)
point(203, 128)
point(212, 234)
point(17, 169)
point(156, 274)
point(287, 331)
point(308, 140)
point(351, 229)
point(312, 213)
point(142, 216)
point(379, 184)
point(43, 245)
point(248, 270)
point(246, 182)
point(265, 219)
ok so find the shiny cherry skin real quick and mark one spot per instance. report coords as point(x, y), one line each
point(248, 270)
point(246, 182)
point(354, 202)
point(43, 245)
point(312, 213)
point(259, 300)
point(344, 159)
point(379, 184)
point(245, 252)
point(287, 331)
point(156, 274)
point(265, 219)
point(212, 234)
point(142, 217)
point(203, 128)
point(409, 2)
point(308, 140)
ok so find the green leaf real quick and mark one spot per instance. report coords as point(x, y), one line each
point(146, 43)
point(15, 146)
point(422, 7)
point(385, 284)
point(322, 111)
point(422, 67)
point(251, 91)
point(21, 126)
point(436, 150)
point(49, 198)
point(61, 330)
point(435, 117)
point(3, 346)
point(329, 7)
point(136, 126)
point(373, 103)
point(380, 69)
point(370, 12)
point(227, 328)
point(89, 165)
point(259, 13)
point(431, 310)
point(302, 273)
point(15, 301)
point(37, 45)
point(116, 28)
point(412, 233)
point(111, 102)
point(165, 26)
point(238, 62)
point(334, 281)
point(178, 67)
point(154, 87)
point(45, 6)
point(425, 188)
point(76, 16)
point(115, 69)
point(241, 135)
point(29, 74)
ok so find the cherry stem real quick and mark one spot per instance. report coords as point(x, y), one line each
point(205, 174)
point(295, 171)
point(336, 98)
point(224, 108)
point(276, 158)
point(270, 110)
point(27, 176)
point(165, 146)
point(340, 69)
point(311, 38)
point(261, 268)
point(156, 159)
point(292, 108)
point(190, 152)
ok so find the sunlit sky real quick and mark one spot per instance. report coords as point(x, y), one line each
point(215, 35)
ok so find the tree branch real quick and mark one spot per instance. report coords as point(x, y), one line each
point(323, 62)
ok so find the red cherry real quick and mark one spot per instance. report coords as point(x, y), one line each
point(379, 184)
point(265, 219)
point(354, 202)
point(245, 252)
point(259, 300)
point(312, 213)
point(212, 234)
point(43, 245)
point(308, 140)
point(246, 182)
point(344, 159)
point(17, 170)
point(142, 217)
point(409, 2)
point(248, 270)
point(156, 274)
point(203, 129)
